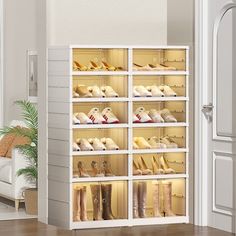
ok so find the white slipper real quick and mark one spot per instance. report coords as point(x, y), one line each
point(76, 121)
point(109, 116)
point(155, 143)
point(136, 119)
point(168, 91)
point(76, 147)
point(169, 142)
point(167, 116)
point(155, 91)
point(97, 144)
point(83, 91)
point(83, 118)
point(109, 91)
point(156, 116)
point(96, 91)
point(142, 115)
point(110, 144)
point(143, 91)
point(142, 143)
point(96, 117)
point(84, 144)
point(135, 93)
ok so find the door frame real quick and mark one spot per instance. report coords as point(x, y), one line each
point(200, 123)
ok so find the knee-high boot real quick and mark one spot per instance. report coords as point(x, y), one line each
point(76, 205)
point(167, 191)
point(156, 200)
point(142, 199)
point(83, 203)
point(96, 192)
point(135, 200)
point(106, 202)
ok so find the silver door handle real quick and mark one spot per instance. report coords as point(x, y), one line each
point(209, 106)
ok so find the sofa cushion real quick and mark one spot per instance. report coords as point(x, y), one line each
point(5, 144)
point(5, 170)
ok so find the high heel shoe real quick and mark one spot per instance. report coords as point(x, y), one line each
point(137, 67)
point(79, 67)
point(94, 66)
point(106, 169)
point(82, 171)
point(95, 170)
point(164, 165)
point(156, 167)
point(169, 142)
point(156, 143)
point(109, 67)
point(136, 170)
point(143, 167)
point(75, 94)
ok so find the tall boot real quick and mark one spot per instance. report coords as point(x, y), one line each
point(156, 200)
point(96, 192)
point(142, 199)
point(167, 192)
point(83, 203)
point(106, 202)
point(76, 205)
point(135, 200)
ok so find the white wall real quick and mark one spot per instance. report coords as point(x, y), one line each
point(20, 35)
point(107, 22)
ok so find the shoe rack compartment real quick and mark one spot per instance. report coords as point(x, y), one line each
point(115, 166)
point(115, 57)
point(88, 157)
point(118, 83)
point(174, 163)
point(162, 198)
point(100, 201)
point(166, 59)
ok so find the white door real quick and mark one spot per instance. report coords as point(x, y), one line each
point(221, 113)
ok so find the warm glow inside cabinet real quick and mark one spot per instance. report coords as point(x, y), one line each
point(145, 179)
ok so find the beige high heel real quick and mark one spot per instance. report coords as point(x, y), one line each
point(82, 171)
point(110, 67)
point(156, 167)
point(164, 165)
point(136, 170)
point(95, 170)
point(106, 169)
point(143, 167)
point(94, 66)
point(79, 67)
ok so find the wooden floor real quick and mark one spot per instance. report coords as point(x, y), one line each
point(34, 228)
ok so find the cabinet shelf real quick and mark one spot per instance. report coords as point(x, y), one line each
point(91, 73)
point(166, 150)
point(90, 153)
point(119, 99)
point(100, 126)
point(160, 73)
point(159, 99)
point(143, 125)
point(159, 177)
point(100, 179)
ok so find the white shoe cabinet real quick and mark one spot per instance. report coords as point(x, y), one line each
point(62, 162)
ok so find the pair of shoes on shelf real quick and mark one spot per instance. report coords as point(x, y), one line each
point(151, 67)
point(159, 166)
point(153, 91)
point(105, 169)
point(142, 116)
point(94, 144)
point(94, 91)
point(93, 66)
point(95, 117)
point(154, 143)
point(162, 143)
point(104, 117)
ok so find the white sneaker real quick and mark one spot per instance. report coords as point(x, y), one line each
point(142, 115)
point(109, 116)
point(167, 116)
point(83, 91)
point(156, 116)
point(135, 93)
point(143, 91)
point(84, 144)
point(97, 144)
point(136, 119)
point(83, 118)
point(109, 91)
point(168, 91)
point(110, 144)
point(169, 142)
point(96, 116)
point(142, 143)
point(96, 92)
point(155, 91)
point(76, 121)
point(76, 147)
point(156, 143)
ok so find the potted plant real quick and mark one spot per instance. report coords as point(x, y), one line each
point(30, 151)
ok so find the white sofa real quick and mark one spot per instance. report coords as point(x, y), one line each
point(11, 186)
